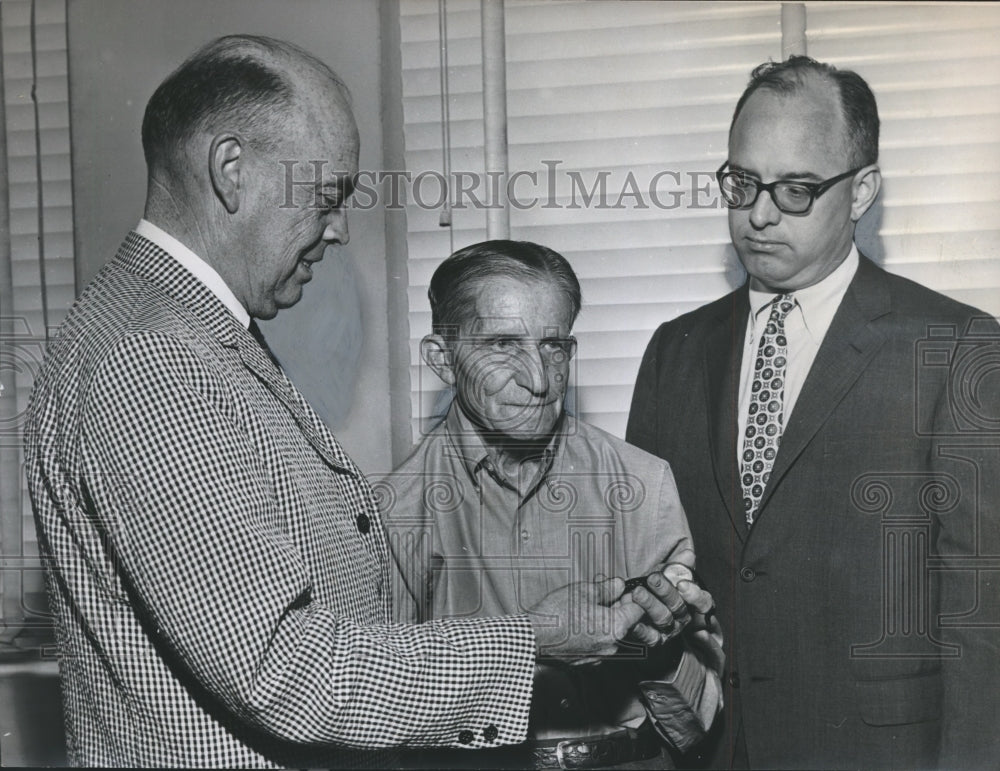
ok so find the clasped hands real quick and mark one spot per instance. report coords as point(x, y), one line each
point(585, 622)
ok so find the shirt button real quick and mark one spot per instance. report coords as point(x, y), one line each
point(734, 679)
point(465, 737)
point(748, 574)
point(525, 535)
point(364, 523)
point(490, 733)
point(564, 703)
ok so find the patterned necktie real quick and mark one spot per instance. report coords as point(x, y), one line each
point(767, 395)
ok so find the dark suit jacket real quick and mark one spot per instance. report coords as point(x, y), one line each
point(860, 611)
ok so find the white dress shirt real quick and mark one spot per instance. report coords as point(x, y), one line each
point(805, 327)
point(196, 266)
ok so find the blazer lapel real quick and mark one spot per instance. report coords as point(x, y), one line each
point(259, 362)
point(848, 348)
point(142, 256)
point(723, 358)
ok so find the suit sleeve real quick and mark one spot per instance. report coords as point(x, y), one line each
point(967, 439)
point(642, 417)
point(192, 522)
point(683, 698)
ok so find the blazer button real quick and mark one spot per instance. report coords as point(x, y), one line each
point(748, 574)
point(734, 679)
point(465, 737)
point(364, 523)
point(490, 733)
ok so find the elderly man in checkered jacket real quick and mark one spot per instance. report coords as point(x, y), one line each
point(217, 562)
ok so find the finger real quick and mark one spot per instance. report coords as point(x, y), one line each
point(627, 615)
point(647, 635)
point(657, 613)
point(669, 596)
point(709, 650)
point(695, 596)
point(677, 571)
point(608, 590)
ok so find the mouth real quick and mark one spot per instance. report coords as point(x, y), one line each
point(304, 266)
point(531, 405)
point(763, 244)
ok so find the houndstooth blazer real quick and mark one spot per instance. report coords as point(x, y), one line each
point(217, 564)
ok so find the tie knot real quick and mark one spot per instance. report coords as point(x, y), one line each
point(781, 306)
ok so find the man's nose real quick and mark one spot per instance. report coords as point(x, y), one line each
point(530, 371)
point(336, 231)
point(764, 211)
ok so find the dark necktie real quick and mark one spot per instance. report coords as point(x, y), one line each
point(766, 415)
point(259, 337)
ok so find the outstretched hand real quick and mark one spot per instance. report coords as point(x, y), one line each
point(584, 620)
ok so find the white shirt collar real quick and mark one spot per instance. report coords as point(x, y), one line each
point(196, 266)
point(818, 303)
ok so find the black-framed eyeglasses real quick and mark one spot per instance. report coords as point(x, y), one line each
point(740, 191)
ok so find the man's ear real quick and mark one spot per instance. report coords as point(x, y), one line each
point(436, 353)
point(867, 183)
point(224, 167)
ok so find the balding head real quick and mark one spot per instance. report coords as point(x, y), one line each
point(243, 83)
point(855, 100)
point(252, 148)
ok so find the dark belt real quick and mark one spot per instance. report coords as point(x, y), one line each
point(595, 751)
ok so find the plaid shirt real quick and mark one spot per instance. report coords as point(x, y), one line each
point(217, 563)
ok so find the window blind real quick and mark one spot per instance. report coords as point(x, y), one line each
point(633, 92)
point(935, 71)
point(41, 249)
point(632, 96)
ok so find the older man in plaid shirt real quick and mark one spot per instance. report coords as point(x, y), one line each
point(217, 562)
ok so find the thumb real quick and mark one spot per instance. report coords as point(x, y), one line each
point(607, 590)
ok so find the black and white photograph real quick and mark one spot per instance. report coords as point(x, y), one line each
point(500, 384)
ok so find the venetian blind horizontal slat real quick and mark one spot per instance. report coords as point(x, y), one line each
point(628, 104)
point(935, 71)
point(624, 104)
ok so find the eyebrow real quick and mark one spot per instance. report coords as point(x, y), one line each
point(787, 176)
point(342, 185)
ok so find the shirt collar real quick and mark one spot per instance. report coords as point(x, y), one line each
point(476, 456)
point(196, 266)
point(816, 303)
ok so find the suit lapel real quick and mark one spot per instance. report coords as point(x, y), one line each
point(847, 349)
point(259, 362)
point(723, 358)
point(142, 256)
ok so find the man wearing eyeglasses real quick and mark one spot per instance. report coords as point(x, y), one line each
point(838, 498)
point(510, 496)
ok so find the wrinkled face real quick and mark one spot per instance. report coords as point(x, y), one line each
point(799, 136)
point(297, 206)
point(511, 362)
